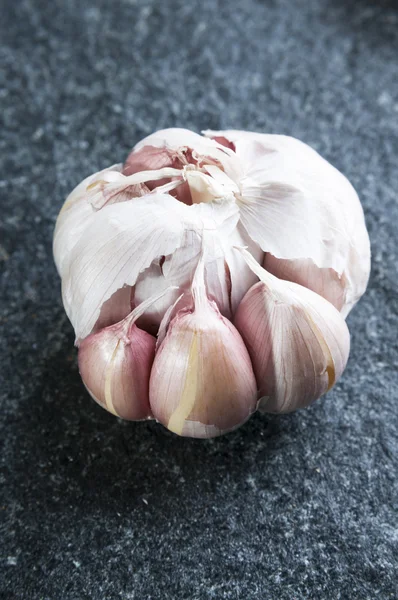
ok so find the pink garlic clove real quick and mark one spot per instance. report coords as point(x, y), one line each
point(298, 342)
point(202, 382)
point(115, 365)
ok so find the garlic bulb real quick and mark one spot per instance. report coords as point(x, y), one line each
point(140, 229)
point(202, 382)
point(298, 341)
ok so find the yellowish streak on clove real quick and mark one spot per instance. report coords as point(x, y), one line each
point(330, 368)
point(189, 394)
point(108, 382)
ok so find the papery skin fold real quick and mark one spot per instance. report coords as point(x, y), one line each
point(72, 220)
point(119, 242)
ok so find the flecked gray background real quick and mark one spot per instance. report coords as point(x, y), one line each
point(287, 508)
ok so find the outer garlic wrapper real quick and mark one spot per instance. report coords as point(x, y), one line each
point(161, 232)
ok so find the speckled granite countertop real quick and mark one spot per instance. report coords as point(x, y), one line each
point(287, 508)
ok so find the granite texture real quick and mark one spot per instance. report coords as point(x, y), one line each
point(286, 508)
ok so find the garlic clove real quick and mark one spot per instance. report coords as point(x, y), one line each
point(202, 382)
point(298, 342)
point(115, 365)
point(325, 282)
point(115, 368)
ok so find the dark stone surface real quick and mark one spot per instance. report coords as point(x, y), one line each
point(289, 508)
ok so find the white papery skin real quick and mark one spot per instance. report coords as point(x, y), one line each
point(130, 231)
point(323, 223)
